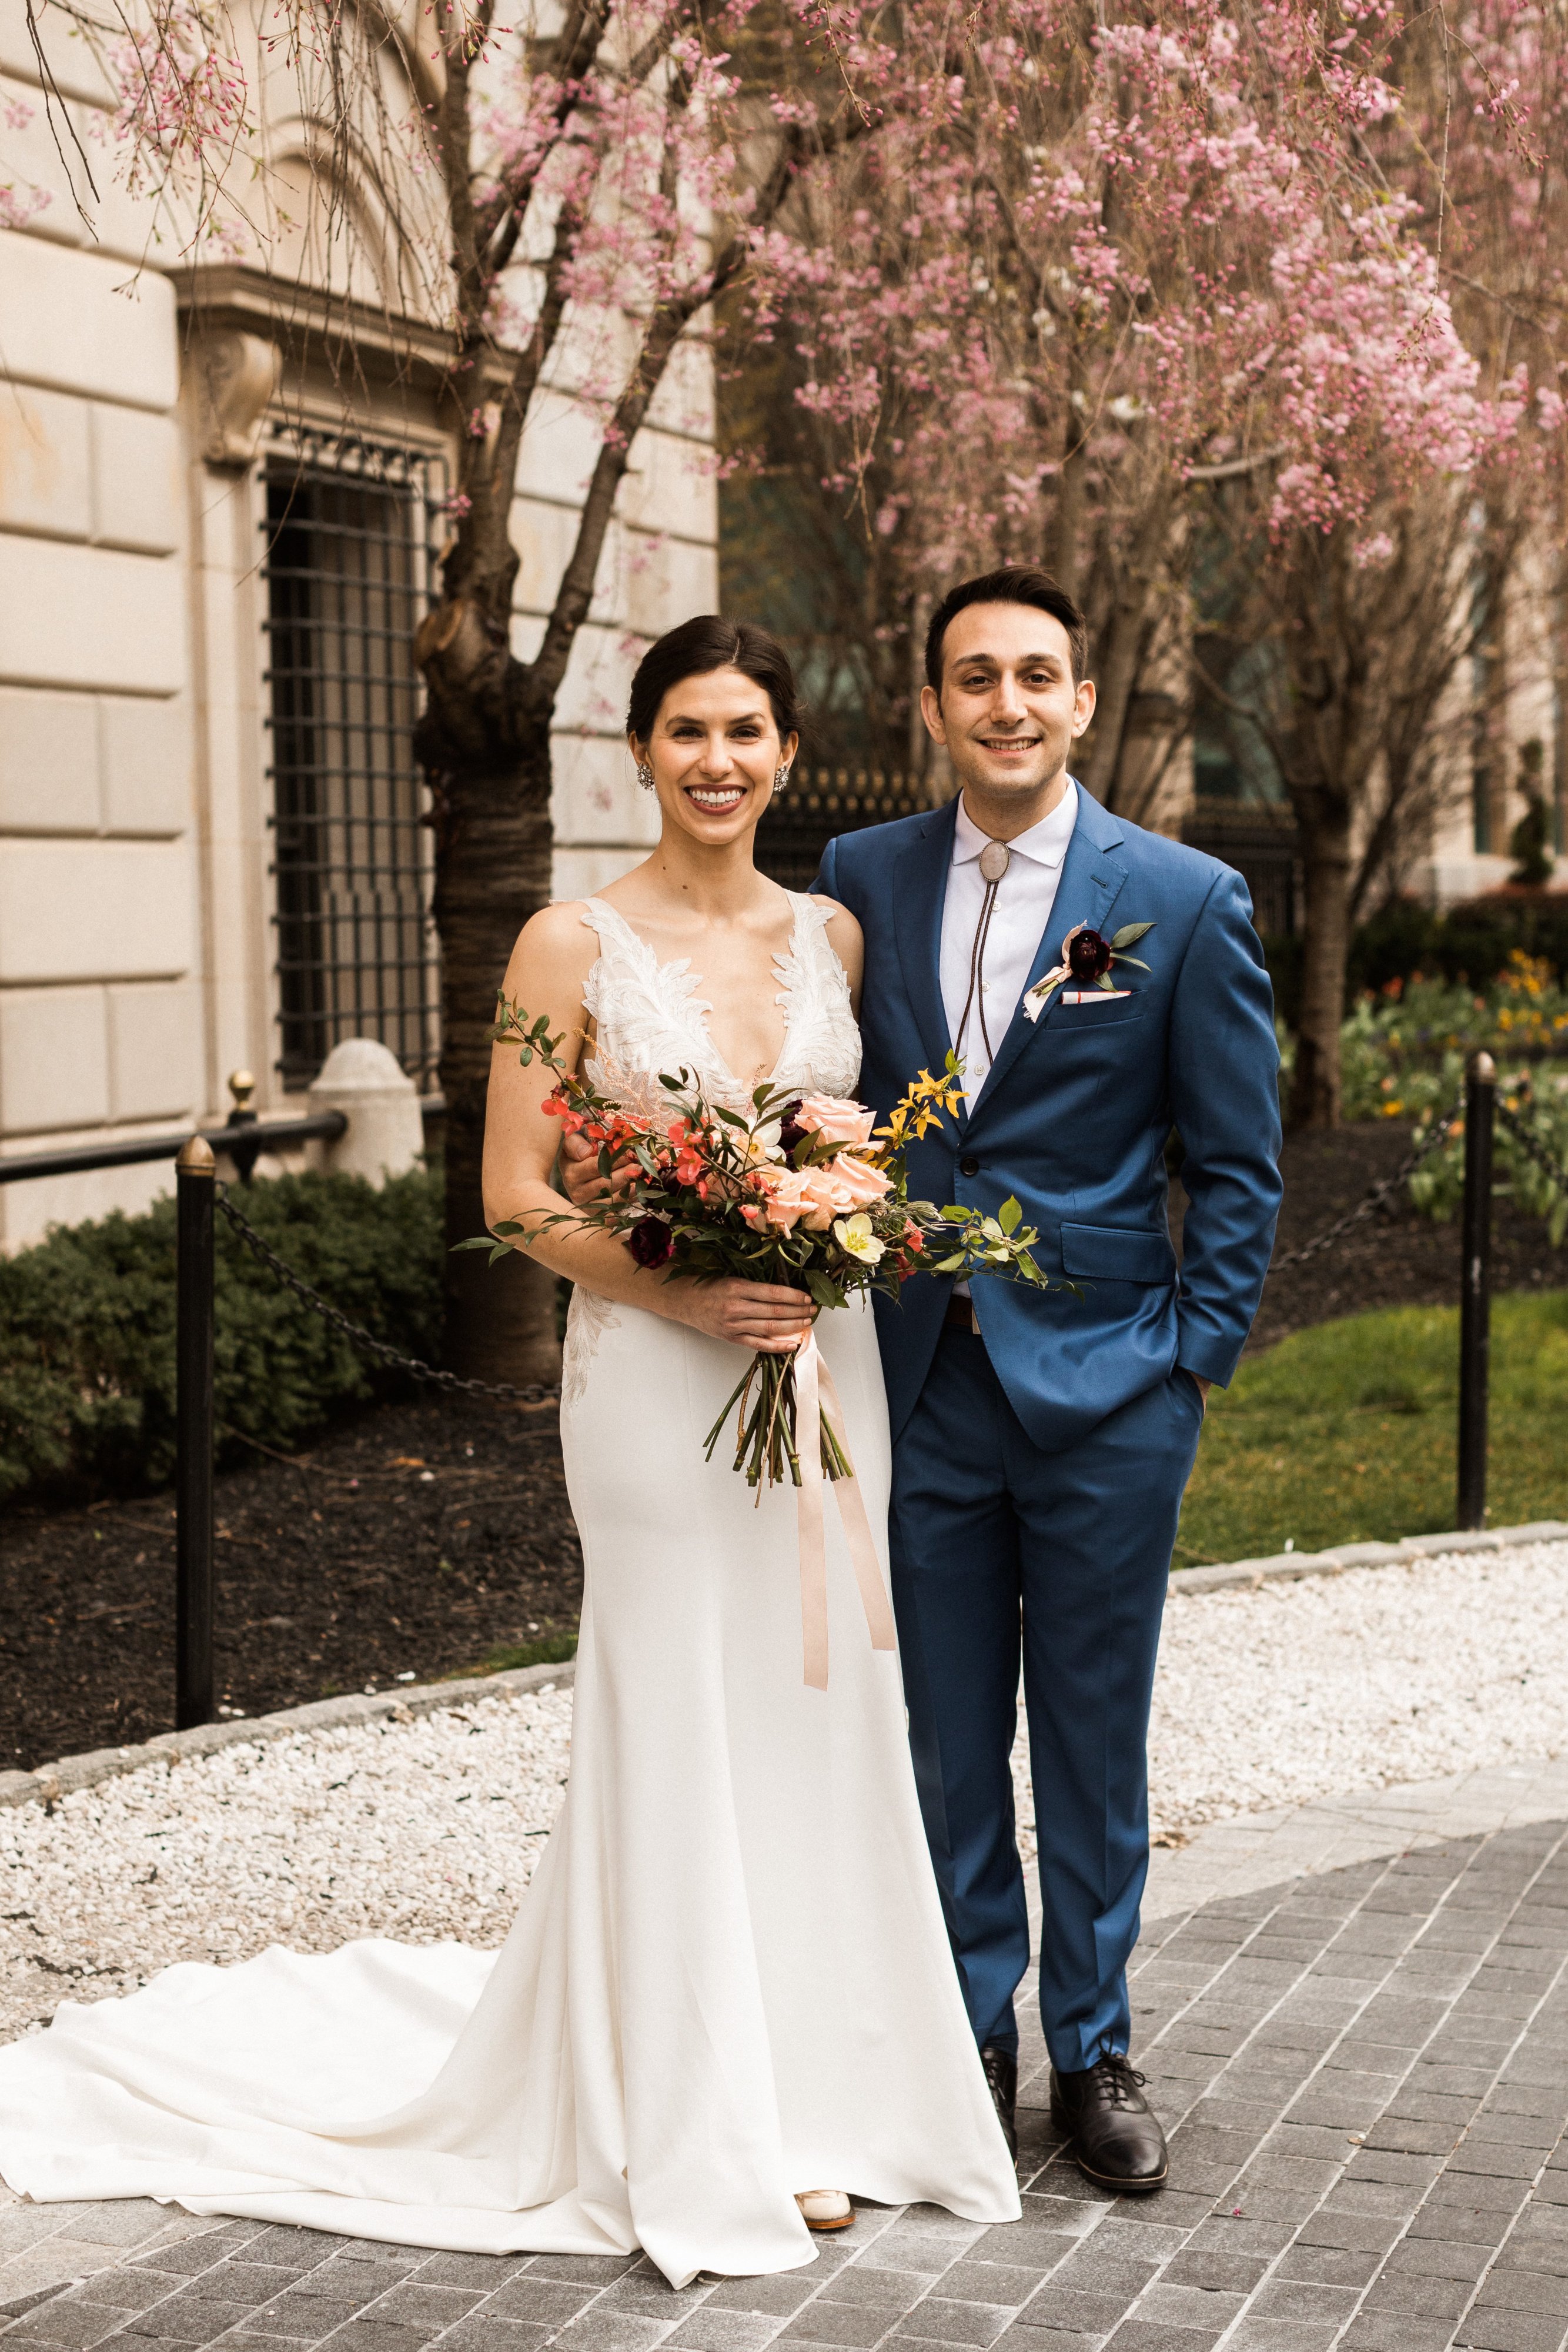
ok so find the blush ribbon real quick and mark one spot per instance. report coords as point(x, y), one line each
point(814, 1396)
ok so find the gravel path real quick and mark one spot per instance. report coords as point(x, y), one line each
point(1369, 1679)
point(431, 1829)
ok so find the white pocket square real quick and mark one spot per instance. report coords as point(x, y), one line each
point(1093, 996)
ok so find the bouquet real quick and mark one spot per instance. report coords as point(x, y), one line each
point(807, 1191)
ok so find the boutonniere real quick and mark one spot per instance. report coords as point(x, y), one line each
point(1087, 956)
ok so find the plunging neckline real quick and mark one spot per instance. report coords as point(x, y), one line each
point(786, 966)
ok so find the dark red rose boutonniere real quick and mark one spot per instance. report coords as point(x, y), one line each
point(1087, 958)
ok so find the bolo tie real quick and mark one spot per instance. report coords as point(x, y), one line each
point(995, 859)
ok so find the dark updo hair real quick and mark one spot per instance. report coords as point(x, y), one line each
point(705, 643)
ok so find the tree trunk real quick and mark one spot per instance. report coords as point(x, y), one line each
point(1327, 866)
point(1120, 653)
point(493, 872)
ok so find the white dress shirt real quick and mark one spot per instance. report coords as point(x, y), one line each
point(1025, 897)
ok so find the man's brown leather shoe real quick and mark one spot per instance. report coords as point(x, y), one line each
point(1002, 2075)
point(1116, 2141)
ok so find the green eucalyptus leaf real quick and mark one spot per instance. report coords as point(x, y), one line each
point(1128, 933)
point(1009, 1216)
point(1137, 962)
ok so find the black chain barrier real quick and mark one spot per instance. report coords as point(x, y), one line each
point(1533, 1147)
point(1379, 1192)
point(434, 1374)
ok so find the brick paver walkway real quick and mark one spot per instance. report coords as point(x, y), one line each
point(1365, 2075)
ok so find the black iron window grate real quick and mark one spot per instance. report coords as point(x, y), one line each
point(1260, 841)
point(347, 564)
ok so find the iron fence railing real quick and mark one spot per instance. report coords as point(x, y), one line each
point(244, 1140)
point(802, 820)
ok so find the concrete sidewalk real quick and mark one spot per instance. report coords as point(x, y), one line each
point(1354, 2022)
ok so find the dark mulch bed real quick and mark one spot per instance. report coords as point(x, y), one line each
point(418, 1539)
point(348, 1566)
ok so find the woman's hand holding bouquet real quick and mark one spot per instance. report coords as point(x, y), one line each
point(806, 1193)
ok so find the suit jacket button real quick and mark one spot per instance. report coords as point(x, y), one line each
point(968, 1165)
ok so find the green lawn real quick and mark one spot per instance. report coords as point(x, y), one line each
point(1347, 1433)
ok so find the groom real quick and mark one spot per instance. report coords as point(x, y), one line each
point(1041, 1442)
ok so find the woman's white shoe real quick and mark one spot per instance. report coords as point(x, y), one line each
point(825, 2208)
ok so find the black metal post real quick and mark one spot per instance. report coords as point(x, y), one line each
point(1475, 1290)
point(195, 1193)
point(245, 1150)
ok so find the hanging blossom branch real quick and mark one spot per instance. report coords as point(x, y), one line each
point(1180, 229)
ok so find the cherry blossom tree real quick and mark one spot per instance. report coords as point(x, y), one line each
point(1055, 275)
point(568, 191)
point(1439, 383)
point(1259, 311)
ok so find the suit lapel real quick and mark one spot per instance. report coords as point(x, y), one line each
point(1091, 879)
point(920, 886)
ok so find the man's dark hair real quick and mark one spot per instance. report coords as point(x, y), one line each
point(1017, 583)
point(700, 645)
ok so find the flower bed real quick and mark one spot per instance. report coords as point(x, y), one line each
point(1403, 1056)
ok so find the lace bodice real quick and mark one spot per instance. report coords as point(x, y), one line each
point(648, 1016)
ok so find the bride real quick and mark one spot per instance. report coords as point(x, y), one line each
point(728, 1999)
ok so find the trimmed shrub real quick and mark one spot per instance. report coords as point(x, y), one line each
point(1476, 940)
point(86, 1330)
point(1471, 944)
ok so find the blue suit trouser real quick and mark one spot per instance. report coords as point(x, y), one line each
point(993, 1539)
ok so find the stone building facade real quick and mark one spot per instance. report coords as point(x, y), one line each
point(219, 507)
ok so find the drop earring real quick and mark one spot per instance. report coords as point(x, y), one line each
point(780, 778)
point(645, 775)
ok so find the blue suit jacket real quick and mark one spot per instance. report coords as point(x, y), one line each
point(1073, 1116)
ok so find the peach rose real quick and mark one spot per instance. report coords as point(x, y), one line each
point(784, 1196)
point(834, 1120)
point(864, 1184)
point(826, 1194)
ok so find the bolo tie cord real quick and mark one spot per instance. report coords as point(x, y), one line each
point(977, 963)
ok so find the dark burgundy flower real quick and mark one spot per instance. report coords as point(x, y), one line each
point(789, 1135)
point(1088, 956)
point(651, 1242)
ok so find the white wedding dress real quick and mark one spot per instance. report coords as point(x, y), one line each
point(730, 1978)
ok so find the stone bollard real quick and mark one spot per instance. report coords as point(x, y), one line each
point(385, 1134)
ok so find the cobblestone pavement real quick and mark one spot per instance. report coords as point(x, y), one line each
point(1365, 2075)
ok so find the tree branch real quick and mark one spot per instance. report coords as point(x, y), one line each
point(1234, 467)
point(665, 327)
point(665, 330)
point(578, 52)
